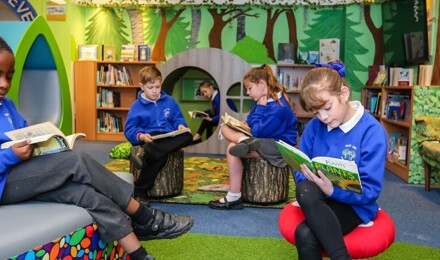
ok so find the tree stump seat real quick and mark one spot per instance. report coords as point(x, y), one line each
point(169, 181)
point(264, 183)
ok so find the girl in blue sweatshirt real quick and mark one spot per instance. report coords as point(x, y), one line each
point(73, 177)
point(154, 112)
point(270, 119)
point(340, 129)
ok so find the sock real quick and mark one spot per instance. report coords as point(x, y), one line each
point(139, 253)
point(231, 197)
point(241, 139)
point(143, 214)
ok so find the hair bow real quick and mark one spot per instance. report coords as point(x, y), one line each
point(339, 67)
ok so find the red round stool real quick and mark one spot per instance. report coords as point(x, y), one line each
point(365, 241)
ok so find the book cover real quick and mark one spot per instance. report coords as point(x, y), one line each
point(303, 57)
point(171, 134)
point(392, 147)
point(107, 52)
point(87, 52)
point(372, 73)
point(236, 124)
point(328, 50)
point(45, 137)
point(286, 53)
point(127, 52)
point(404, 77)
point(342, 173)
point(143, 52)
point(380, 78)
point(313, 57)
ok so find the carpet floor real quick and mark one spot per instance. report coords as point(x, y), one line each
point(199, 173)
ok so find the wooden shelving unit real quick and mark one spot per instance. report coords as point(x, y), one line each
point(402, 127)
point(86, 89)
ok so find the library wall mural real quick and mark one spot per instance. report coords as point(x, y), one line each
point(256, 34)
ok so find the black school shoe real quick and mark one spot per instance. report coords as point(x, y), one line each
point(244, 147)
point(216, 204)
point(163, 226)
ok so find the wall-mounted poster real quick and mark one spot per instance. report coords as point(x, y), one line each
point(56, 10)
point(190, 89)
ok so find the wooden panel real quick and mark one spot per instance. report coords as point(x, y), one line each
point(85, 98)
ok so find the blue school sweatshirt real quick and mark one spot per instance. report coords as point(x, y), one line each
point(146, 117)
point(365, 144)
point(273, 121)
point(10, 119)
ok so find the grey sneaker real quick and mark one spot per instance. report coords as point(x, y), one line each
point(244, 147)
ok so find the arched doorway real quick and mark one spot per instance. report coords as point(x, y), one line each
point(227, 70)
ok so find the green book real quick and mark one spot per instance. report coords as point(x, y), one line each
point(342, 173)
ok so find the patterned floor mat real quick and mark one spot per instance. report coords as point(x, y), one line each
point(201, 172)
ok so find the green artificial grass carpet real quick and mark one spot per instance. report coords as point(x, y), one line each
point(212, 247)
point(200, 172)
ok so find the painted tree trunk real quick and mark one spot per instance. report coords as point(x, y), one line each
point(264, 183)
point(169, 181)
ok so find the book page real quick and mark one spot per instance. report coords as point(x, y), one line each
point(33, 140)
point(46, 128)
point(72, 138)
point(197, 114)
point(342, 173)
point(236, 124)
point(171, 134)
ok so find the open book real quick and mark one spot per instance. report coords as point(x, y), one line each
point(197, 114)
point(342, 173)
point(171, 134)
point(45, 137)
point(236, 124)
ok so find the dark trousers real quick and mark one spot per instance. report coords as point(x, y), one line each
point(208, 126)
point(73, 177)
point(155, 155)
point(326, 222)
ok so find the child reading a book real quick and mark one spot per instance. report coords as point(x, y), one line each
point(213, 113)
point(153, 113)
point(211, 120)
point(73, 177)
point(270, 119)
point(340, 129)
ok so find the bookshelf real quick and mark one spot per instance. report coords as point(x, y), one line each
point(89, 87)
point(290, 76)
point(400, 127)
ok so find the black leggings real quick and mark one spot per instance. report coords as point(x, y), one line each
point(208, 126)
point(326, 222)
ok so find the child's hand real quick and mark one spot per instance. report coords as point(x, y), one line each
point(23, 150)
point(146, 138)
point(321, 180)
point(181, 127)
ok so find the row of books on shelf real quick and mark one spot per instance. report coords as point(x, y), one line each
point(129, 52)
point(395, 107)
point(111, 75)
point(109, 123)
point(380, 75)
point(108, 98)
point(398, 148)
point(290, 82)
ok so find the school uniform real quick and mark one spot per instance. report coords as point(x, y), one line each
point(155, 117)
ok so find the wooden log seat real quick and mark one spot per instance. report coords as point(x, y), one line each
point(169, 181)
point(264, 183)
